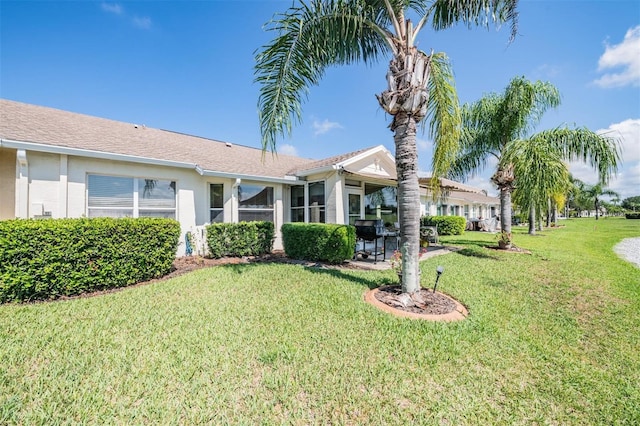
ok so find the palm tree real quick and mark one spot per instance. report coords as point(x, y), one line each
point(540, 172)
point(499, 126)
point(316, 34)
point(595, 193)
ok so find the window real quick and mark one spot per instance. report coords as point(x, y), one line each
point(115, 196)
point(297, 203)
point(216, 202)
point(316, 202)
point(255, 202)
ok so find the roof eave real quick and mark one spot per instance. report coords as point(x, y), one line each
point(56, 149)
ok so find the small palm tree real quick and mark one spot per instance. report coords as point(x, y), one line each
point(595, 193)
point(499, 126)
point(315, 34)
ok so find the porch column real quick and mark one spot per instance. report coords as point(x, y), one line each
point(22, 185)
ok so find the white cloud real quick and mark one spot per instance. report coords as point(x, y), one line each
point(112, 8)
point(423, 145)
point(287, 149)
point(625, 57)
point(627, 181)
point(628, 131)
point(546, 72)
point(324, 126)
point(143, 23)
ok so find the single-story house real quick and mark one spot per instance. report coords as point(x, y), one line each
point(59, 164)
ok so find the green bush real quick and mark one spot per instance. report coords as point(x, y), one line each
point(240, 239)
point(447, 225)
point(632, 215)
point(46, 259)
point(319, 241)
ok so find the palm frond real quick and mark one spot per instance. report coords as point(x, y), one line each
point(443, 112)
point(310, 38)
point(446, 13)
point(602, 152)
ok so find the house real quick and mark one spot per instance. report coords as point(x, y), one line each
point(61, 164)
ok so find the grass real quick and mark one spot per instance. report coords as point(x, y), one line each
point(552, 338)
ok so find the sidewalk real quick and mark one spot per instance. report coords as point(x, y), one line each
point(380, 265)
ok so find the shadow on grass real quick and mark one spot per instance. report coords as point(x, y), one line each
point(374, 279)
point(478, 251)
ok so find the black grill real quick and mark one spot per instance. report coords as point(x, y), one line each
point(371, 230)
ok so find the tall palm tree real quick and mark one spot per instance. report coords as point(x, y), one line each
point(499, 126)
point(316, 34)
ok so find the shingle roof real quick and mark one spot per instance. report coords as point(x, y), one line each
point(31, 123)
point(327, 161)
point(473, 197)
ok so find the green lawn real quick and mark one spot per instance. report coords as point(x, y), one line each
point(552, 338)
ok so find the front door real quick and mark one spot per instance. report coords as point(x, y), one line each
point(355, 207)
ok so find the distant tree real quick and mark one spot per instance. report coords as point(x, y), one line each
point(594, 193)
point(631, 203)
point(499, 126)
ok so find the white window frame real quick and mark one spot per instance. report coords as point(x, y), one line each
point(135, 208)
point(218, 209)
point(271, 209)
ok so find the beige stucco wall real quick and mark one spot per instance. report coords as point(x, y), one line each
point(57, 184)
point(7, 183)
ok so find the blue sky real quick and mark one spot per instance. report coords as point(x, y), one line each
point(188, 66)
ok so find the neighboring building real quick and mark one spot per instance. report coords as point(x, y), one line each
point(459, 200)
point(60, 164)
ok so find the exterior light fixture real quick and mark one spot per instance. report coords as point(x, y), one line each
point(439, 271)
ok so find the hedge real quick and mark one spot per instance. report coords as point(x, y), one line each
point(240, 239)
point(447, 225)
point(632, 215)
point(46, 259)
point(319, 241)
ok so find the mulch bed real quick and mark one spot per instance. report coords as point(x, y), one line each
point(422, 302)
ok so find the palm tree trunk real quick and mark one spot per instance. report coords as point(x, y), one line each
point(505, 210)
point(532, 220)
point(597, 207)
point(548, 212)
point(404, 127)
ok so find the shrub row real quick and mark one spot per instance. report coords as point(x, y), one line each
point(240, 239)
point(46, 259)
point(632, 215)
point(318, 241)
point(447, 225)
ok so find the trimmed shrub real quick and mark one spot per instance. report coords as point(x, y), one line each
point(46, 259)
point(319, 241)
point(240, 239)
point(632, 215)
point(447, 225)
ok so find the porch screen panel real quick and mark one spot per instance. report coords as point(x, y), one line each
point(110, 196)
point(157, 198)
point(255, 202)
point(297, 203)
point(316, 202)
point(381, 203)
point(216, 203)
